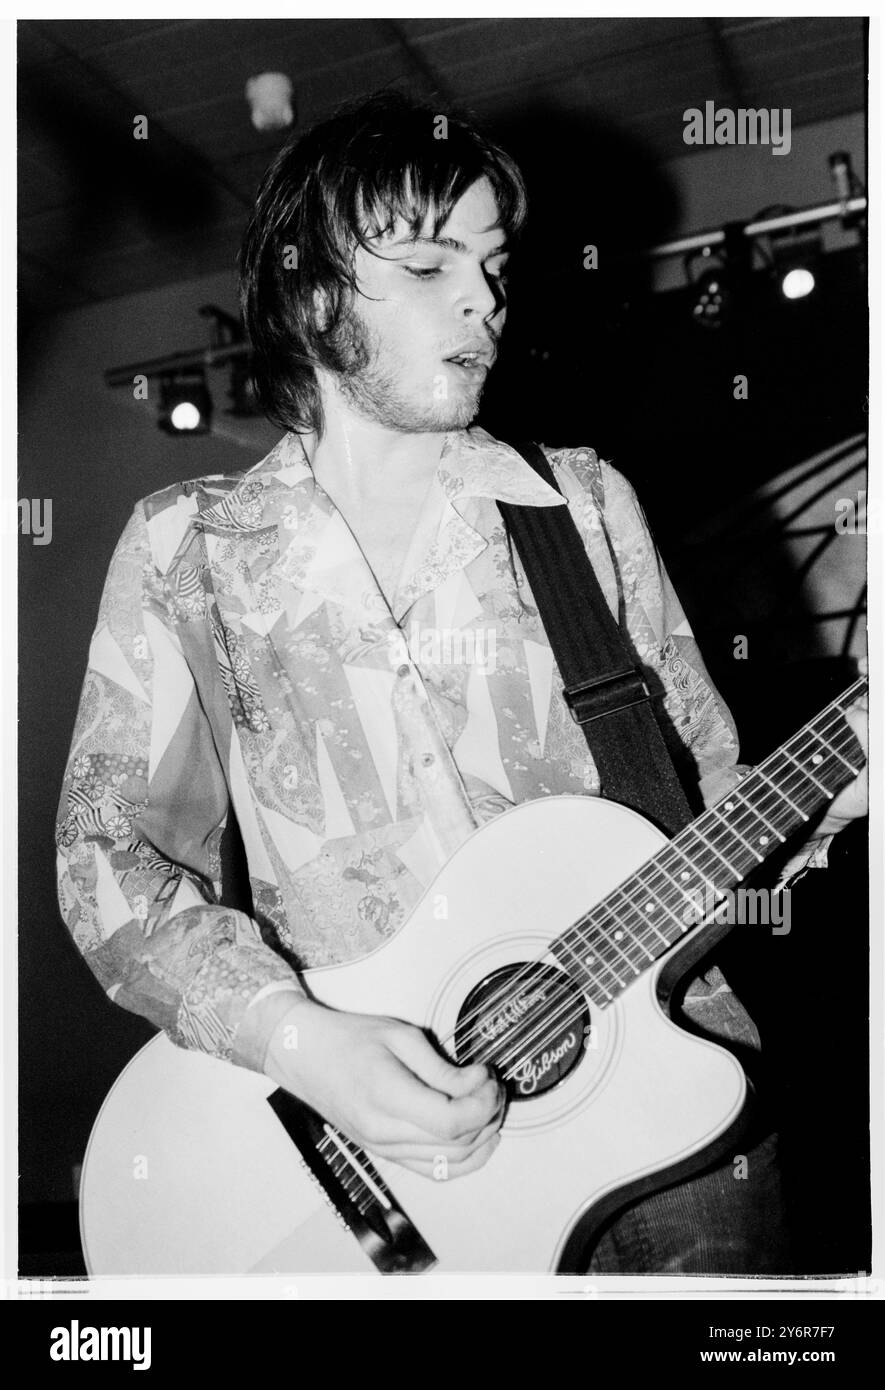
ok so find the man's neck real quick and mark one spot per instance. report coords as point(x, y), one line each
point(363, 464)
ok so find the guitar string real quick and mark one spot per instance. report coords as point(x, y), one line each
point(797, 777)
point(566, 994)
point(510, 990)
point(746, 810)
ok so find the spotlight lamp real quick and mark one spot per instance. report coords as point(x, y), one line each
point(795, 264)
point(185, 404)
point(711, 289)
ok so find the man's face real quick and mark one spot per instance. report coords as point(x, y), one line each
point(424, 302)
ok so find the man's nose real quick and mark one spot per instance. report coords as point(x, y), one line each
point(482, 299)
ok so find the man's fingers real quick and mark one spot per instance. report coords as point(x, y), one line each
point(857, 720)
point(424, 1116)
point(430, 1151)
point(440, 1169)
point(433, 1069)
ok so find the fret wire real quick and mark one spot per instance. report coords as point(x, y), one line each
point(648, 919)
point(600, 923)
point(599, 937)
point(693, 830)
point(614, 943)
point(789, 802)
point(582, 961)
point(598, 927)
point(810, 775)
point(612, 906)
point(845, 761)
point(690, 898)
point(634, 907)
point(716, 824)
point(728, 805)
point(761, 816)
point(797, 780)
point(677, 886)
point(619, 892)
point(655, 893)
point(764, 795)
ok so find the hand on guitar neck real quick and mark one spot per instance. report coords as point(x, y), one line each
point(388, 1089)
point(851, 803)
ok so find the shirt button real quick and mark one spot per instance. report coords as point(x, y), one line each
point(403, 670)
point(427, 759)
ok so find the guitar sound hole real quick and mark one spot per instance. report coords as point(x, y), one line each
point(530, 1022)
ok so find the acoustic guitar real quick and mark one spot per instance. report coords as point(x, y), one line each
point(548, 947)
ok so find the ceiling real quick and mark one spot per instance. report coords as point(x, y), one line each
point(104, 215)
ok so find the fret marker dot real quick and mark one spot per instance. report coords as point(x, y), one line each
point(649, 907)
point(818, 758)
point(589, 960)
point(619, 935)
point(729, 805)
point(685, 875)
point(763, 839)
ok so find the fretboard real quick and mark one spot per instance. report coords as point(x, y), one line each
point(655, 907)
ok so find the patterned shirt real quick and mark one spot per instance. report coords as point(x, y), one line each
point(245, 656)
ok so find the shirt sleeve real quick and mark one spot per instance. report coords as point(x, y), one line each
point(607, 510)
point(143, 806)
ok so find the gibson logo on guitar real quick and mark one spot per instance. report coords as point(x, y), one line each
point(533, 1056)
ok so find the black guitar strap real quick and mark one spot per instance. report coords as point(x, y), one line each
point(605, 692)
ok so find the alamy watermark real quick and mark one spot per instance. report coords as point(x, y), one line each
point(30, 516)
point(765, 907)
point(449, 646)
point(745, 126)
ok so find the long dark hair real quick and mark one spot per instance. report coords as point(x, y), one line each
point(345, 182)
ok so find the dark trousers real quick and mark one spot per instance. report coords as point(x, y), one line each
point(718, 1223)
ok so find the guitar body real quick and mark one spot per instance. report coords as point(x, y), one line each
point(190, 1171)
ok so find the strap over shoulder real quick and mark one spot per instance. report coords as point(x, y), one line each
point(605, 691)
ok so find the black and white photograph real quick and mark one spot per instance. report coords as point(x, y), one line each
point(445, 619)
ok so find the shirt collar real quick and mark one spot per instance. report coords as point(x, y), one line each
point(472, 464)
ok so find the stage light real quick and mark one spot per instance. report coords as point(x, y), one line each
point(797, 282)
point(712, 290)
point(711, 299)
point(185, 404)
point(793, 259)
point(185, 416)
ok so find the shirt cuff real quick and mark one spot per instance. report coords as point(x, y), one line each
point(813, 855)
point(260, 1021)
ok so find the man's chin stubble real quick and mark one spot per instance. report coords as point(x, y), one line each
point(386, 410)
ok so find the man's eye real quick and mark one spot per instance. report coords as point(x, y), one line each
point(422, 272)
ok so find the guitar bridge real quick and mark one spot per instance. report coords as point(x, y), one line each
point(354, 1189)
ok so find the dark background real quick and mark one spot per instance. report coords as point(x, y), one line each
point(117, 258)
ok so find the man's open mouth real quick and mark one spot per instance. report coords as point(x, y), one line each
point(471, 361)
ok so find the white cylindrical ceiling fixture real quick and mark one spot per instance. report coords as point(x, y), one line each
point(270, 96)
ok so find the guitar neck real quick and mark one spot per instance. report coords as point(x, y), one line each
point(658, 905)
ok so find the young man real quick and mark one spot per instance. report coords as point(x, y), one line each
point(275, 641)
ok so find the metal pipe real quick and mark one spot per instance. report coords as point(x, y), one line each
point(823, 212)
point(190, 360)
